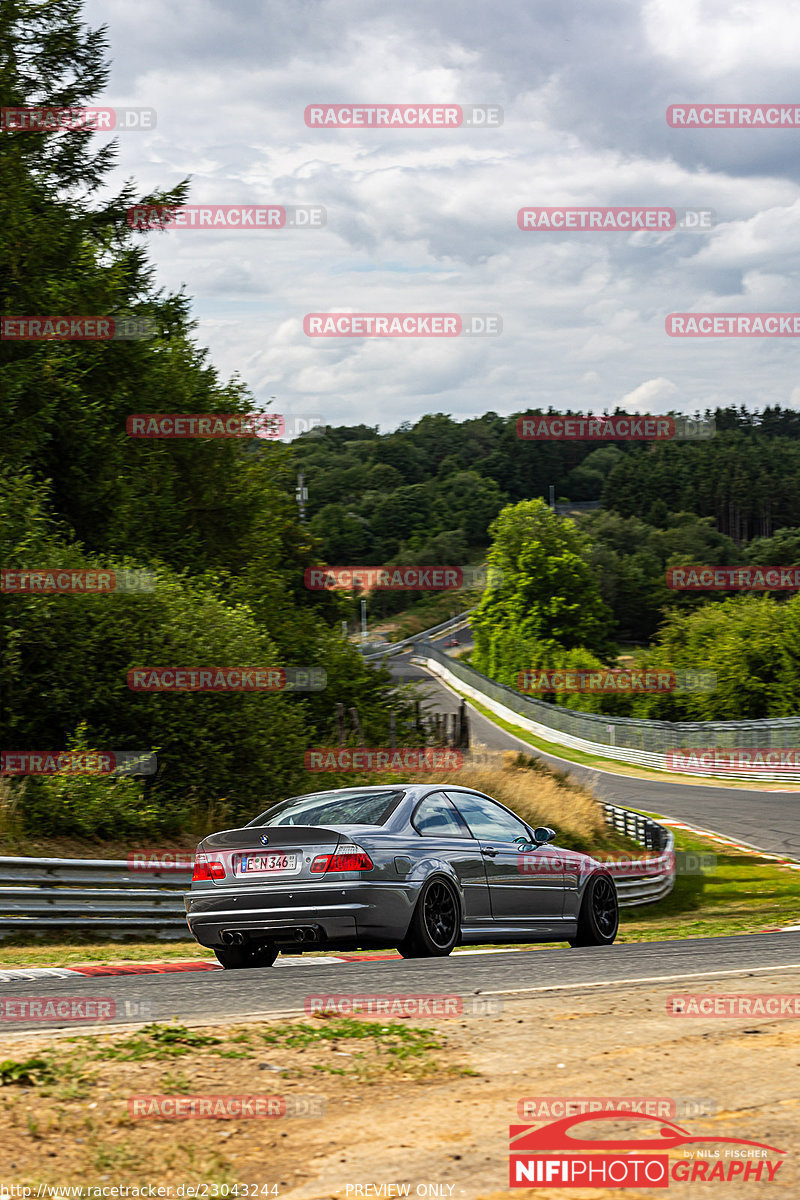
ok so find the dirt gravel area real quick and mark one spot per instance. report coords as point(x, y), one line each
point(401, 1108)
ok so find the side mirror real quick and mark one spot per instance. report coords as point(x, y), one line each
point(543, 834)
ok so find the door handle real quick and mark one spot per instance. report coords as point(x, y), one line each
point(489, 851)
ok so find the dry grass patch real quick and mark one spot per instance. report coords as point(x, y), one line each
point(65, 1116)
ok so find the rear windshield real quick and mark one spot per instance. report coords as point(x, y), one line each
point(332, 808)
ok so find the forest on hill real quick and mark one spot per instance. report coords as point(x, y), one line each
point(442, 491)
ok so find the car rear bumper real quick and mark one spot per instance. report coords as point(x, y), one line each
point(307, 914)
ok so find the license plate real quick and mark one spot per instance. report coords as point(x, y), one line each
point(262, 864)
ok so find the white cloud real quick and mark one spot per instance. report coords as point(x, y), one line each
point(653, 396)
point(425, 220)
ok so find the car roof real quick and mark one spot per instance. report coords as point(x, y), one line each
point(390, 787)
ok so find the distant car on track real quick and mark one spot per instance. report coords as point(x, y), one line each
point(452, 642)
point(419, 867)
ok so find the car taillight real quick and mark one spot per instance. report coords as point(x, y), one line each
point(345, 858)
point(204, 871)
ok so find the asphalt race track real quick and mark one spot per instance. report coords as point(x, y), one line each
point(768, 819)
point(226, 995)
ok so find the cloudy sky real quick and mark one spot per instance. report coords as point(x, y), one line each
point(424, 220)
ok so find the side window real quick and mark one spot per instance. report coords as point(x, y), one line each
point(488, 821)
point(436, 817)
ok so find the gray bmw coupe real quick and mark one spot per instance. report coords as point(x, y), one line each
point(418, 867)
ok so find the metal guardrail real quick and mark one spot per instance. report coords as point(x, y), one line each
point(105, 896)
point(625, 739)
point(456, 622)
point(659, 880)
point(96, 894)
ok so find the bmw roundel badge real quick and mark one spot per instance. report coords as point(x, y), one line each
point(264, 840)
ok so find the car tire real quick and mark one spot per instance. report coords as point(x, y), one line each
point(436, 924)
point(233, 958)
point(598, 920)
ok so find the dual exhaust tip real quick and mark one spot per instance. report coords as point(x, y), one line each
point(232, 937)
point(235, 937)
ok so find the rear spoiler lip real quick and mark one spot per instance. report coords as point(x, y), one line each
point(249, 838)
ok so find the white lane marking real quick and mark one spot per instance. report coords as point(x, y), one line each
point(33, 973)
point(561, 987)
point(505, 950)
point(306, 962)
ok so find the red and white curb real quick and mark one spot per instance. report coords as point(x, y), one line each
point(743, 847)
point(9, 974)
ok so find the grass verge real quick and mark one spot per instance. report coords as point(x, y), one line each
point(70, 1108)
point(744, 893)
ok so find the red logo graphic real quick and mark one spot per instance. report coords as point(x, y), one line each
point(552, 1156)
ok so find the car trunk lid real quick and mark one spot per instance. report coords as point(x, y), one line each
point(268, 854)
